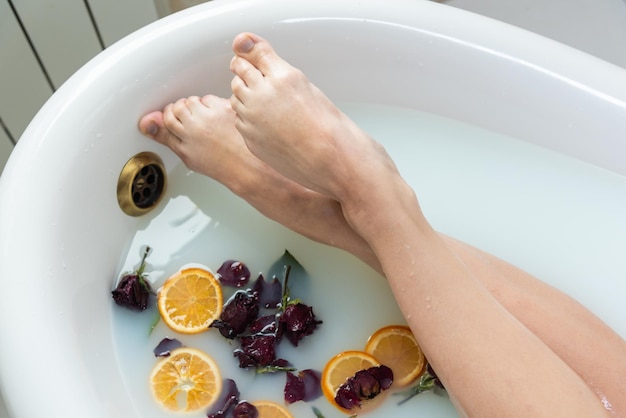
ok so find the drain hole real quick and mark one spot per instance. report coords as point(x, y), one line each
point(147, 186)
point(141, 184)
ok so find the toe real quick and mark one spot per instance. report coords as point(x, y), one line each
point(173, 125)
point(212, 101)
point(257, 51)
point(154, 125)
point(180, 109)
point(239, 89)
point(247, 72)
point(196, 106)
point(150, 124)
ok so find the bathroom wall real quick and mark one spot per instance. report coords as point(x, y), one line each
point(42, 43)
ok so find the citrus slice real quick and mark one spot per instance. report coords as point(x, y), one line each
point(187, 380)
point(342, 367)
point(190, 300)
point(269, 409)
point(395, 346)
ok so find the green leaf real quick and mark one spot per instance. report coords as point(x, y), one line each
point(155, 321)
point(287, 267)
point(274, 369)
point(317, 412)
point(425, 384)
point(287, 259)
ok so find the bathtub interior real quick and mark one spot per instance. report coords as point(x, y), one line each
point(62, 231)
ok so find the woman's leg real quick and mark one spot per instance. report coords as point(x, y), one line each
point(201, 132)
point(307, 139)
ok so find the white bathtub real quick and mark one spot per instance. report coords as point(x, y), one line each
point(62, 233)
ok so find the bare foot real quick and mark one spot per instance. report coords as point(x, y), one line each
point(290, 124)
point(202, 133)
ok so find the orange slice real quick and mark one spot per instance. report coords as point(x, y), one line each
point(187, 380)
point(190, 300)
point(269, 409)
point(396, 347)
point(342, 367)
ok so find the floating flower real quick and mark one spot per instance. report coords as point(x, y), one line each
point(133, 291)
point(298, 321)
point(240, 311)
point(364, 385)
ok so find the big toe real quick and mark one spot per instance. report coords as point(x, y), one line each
point(152, 125)
point(257, 51)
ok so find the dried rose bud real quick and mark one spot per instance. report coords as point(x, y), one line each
point(233, 273)
point(364, 385)
point(240, 311)
point(347, 398)
point(132, 292)
point(245, 410)
point(256, 350)
point(437, 382)
point(298, 321)
point(383, 374)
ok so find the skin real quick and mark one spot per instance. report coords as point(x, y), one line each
point(309, 165)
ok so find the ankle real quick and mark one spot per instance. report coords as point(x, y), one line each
point(379, 209)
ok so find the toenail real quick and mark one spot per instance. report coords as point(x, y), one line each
point(153, 128)
point(246, 46)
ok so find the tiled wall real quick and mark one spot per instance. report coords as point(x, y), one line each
point(42, 43)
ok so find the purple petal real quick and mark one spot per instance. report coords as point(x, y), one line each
point(347, 398)
point(245, 410)
point(270, 294)
point(228, 398)
point(294, 388)
point(256, 350)
point(233, 273)
point(165, 347)
point(312, 386)
point(265, 324)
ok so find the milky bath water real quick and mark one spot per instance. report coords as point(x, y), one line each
point(559, 218)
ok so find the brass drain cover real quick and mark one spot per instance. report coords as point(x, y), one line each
point(141, 184)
